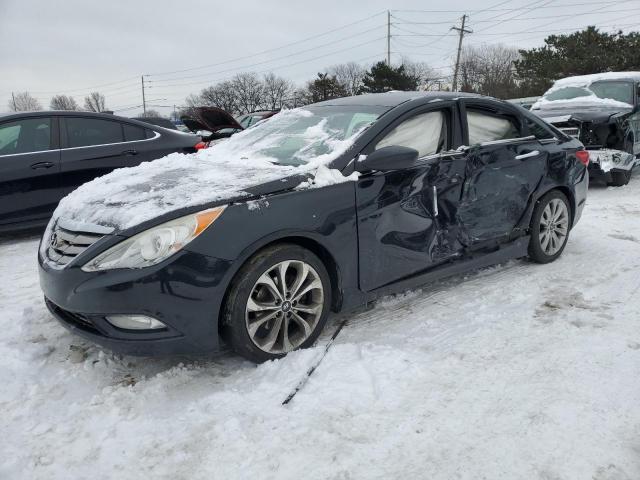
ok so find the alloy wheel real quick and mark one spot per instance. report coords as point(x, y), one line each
point(554, 226)
point(284, 306)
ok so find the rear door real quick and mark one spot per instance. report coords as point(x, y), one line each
point(29, 169)
point(93, 147)
point(504, 168)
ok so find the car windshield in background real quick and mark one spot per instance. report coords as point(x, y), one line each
point(297, 136)
point(619, 91)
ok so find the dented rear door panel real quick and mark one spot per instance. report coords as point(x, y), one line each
point(500, 182)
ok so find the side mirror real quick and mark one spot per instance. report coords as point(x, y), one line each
point(393, 157)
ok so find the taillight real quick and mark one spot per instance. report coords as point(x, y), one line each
point(200, 145)
point(583, 156)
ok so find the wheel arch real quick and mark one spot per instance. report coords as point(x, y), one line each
point(567, 193)
point(300, 240)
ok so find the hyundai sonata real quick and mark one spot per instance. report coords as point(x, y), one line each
point(324, 208)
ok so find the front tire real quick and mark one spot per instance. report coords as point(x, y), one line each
point(278, 302)
point(550, 225)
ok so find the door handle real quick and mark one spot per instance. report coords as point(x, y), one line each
point(38, 165)
point(527, 155)
point(130, 152)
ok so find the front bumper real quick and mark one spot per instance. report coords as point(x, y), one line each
point(185, 293)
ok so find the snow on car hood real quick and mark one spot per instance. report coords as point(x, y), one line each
point(581, 102)
point(129, 196)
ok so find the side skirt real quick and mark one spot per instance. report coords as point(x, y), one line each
point(515, 249)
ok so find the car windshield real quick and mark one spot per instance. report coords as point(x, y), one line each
point(606, 90)
point(298, 136)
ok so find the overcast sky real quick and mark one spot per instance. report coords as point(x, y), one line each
point(72, 46)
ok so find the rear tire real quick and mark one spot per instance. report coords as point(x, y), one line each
point(550, 225)
point(619, 178)
point(278, 302)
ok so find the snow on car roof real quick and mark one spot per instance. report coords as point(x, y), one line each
point(585, 80)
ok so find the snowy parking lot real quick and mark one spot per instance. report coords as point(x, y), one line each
point(519, 371)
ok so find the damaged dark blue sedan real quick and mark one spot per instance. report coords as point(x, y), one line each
point(322, 209)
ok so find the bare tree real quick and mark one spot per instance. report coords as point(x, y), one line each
point(23, 102)
point(489, 70)
point(427, 77)
point(277, 92)
point(63, 102)
point(349, 75)
point(221, 95)
point(249, 92)
point(95, 102)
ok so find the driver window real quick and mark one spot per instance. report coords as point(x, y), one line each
point(426, 133)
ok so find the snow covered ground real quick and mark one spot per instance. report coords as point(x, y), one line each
point(519, 371)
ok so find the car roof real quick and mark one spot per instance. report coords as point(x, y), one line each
point(585, 80)
point(75, 113)
point(395, 98)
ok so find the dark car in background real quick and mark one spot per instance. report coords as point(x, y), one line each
point(214, 124)
point(45, 155)
point(404, 202)
point(603, 112)
point(157, 121)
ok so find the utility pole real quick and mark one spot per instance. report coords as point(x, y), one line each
point(13, 99)
point(461, 30)
point(389, 38)
point(144, 103)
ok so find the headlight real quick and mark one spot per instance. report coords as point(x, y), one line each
point(156, 244)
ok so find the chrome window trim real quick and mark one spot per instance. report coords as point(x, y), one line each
point(156, 136)
point(30, 153)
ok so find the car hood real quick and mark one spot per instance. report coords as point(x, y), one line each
point(209, 118)
point(582, 113)
point(181, 183)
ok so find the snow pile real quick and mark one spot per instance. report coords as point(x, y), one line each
point(520, 371)
point(130, 196)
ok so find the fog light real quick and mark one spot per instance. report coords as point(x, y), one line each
point(135, 322)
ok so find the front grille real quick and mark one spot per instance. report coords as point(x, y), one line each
point(571, 131)
point(65, 245)
point(568, 128)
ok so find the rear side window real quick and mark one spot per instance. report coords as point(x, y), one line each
point(425, 132)
point(489, 127)
point(25, 136)
point(133, 132)
point(84, 132)
point(538, 130)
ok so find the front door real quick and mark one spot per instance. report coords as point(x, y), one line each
point(405, 215)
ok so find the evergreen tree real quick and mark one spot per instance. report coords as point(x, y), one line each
point(580, 53)
point(383, 78)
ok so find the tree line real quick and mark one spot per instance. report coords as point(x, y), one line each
point(25, 102)
point(496, 70)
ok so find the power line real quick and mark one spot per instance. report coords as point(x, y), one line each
point(281, 66)
point(244, 67)
point(270, 49)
